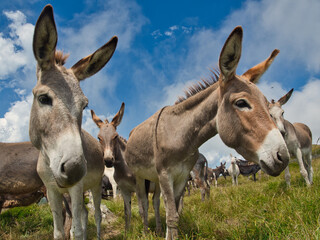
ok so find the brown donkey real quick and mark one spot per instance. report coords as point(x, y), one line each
point(164, 148)
point(19, 179)
point(298, 138)
point(199, 175)
point(70, 159)
point(214, 174)
point(114, 147)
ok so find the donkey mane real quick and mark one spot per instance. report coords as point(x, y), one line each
point(123, 139)
point(122, 143)
point(60, 57)
point(200, 85)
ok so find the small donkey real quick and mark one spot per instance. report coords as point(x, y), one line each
point(298, 138)
point(199, 175)
point(114, 147)
point(214, 174)
point(233, 170)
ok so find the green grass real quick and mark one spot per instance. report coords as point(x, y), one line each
point(265, 209)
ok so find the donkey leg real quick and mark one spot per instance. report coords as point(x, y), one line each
point(77, 205)
point(207, 185)
point(97, 194)
point(307, 159)
point(179, 192)
point(172, 216)
point(215, 181)
point(287, 176)
point(84, 220)
point(156, 207)
point(127, 208)
point(303, 171)
point(143, 201)
point(310, 168)
point(114, 190)
point(202, 189)
point(55, 202)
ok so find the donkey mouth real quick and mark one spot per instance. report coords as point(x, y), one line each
point(270, 171)
point(108, 164)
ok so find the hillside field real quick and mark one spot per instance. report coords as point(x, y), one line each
point(265, 209)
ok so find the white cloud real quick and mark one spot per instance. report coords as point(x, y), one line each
point(173, 28)
point(168, 33)
point(14, 126)
point(266, 27)
point(156, 34)
point(16, 49)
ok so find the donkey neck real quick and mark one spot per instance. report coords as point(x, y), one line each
point(197, 116)
point(120, 164)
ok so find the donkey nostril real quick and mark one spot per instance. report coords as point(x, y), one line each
point(279, 156)
point(62, 168)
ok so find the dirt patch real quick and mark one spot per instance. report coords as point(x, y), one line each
point(109, 230)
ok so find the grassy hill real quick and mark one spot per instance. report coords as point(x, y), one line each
point(265, 209)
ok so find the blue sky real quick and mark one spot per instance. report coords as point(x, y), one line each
point(163, 47)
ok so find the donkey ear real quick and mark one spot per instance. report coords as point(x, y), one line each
point(93, 63)
point(254, 74)
point(230, 54)
point(96, 119)
point(45, 39)
point(118, 117)
point(285, 98)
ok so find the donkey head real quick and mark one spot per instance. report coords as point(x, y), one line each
point(243, 119)
point(56, 114)
point(276, 111)
point(223, 169)
point(108, 136)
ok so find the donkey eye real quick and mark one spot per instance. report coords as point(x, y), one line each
point(45, 99)
point(242, 104)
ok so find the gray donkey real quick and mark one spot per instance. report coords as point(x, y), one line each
point(70, 159)
point(114, 147)
point(298, 138)
point(164, 148)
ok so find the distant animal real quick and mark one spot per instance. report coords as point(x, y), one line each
point(20, 184)
point(298, 138)
point(247, 168)
point(164, 148)
point(114, 146)
point(199, 175)
point(106, 187)
point(109, 172)
point(70, 159)
point(233, 171)
point(214, 174)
